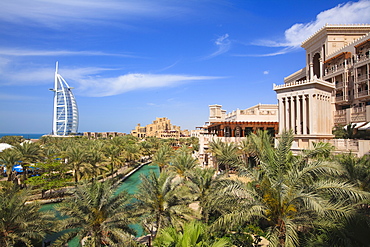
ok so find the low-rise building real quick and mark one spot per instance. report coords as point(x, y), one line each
point(160, 128)
point(239, 123)
point(95, 135)
point(235, 126)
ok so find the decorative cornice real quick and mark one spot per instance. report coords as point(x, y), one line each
point(303, 83)
point(336, 26)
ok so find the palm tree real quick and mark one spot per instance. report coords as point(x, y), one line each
point(226, 154)
point(202, 182)
point(146, 149)
point(162, 157)
point(113, 154)
point(161, 202)
point(193, 234)
point(357, 169)
point(9, 157)
point(20, 223)
point(96, 158)
point(96, 216)
point(182, 163)
point(76, 159)
point(132, 152)
point(289, 194)
point(255, 145)
point(30, 153)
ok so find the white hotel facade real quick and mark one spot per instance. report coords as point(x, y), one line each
point(333, 88)
point(65, 112)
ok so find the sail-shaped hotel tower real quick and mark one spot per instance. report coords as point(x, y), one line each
point(65, 114)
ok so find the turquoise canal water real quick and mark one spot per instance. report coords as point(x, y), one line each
point(130, 185)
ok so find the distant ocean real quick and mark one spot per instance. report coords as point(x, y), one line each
point(26, 136)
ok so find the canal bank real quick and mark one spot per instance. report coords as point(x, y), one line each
point(129, 183)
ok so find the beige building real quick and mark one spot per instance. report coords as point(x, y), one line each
point(235, 126)
point(333, 87)
point(94, 135)
point(160, 128)
point(257, 113)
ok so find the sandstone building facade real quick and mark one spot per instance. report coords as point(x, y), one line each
point(333, 88)
point(239, 123)
point(160, 128)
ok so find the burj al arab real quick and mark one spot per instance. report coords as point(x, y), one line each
point(65, 112)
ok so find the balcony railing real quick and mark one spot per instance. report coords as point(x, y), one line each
point(339, 98)
point(362, 77)
point(363, 57)
point(359, 109)
point(363, 93)
point(339, 84)
point(340, 112)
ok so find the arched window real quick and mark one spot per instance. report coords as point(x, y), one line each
point(316, 65)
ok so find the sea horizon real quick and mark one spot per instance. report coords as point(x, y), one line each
point(25, 135)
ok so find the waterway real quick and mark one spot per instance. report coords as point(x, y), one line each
point(130, 185)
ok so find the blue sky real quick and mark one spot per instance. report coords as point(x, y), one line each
point(131, 61)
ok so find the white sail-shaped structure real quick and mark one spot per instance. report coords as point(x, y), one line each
point(65, 114)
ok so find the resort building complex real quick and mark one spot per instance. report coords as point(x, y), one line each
point(96, 135)
point(235, 126)
point(332, 89)
point(160, 128)
point(65, 112)
point(240, 123)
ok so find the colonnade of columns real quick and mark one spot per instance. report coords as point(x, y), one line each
point(294, 114)
point(305, 114)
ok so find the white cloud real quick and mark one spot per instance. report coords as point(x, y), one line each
point(266, 72)
point(90, 81)
point(347, 13)
point(54, 12)
point(223, 44)
point(100, 87)
point(15, 97)
point(17, 75)
point(25, 53)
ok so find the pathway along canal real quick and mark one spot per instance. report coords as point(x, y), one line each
point(130, 185)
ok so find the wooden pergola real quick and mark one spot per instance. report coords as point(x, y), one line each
point(241, 129)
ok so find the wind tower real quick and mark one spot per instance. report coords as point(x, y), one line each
point(65, 112)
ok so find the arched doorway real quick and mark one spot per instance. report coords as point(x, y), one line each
point(238, 132)
point(227, 131)
point(316, 65)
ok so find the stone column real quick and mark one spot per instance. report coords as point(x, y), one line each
point(293, 115)
point(311, 70)
point(281, 114)
point(313, 104)
point(298, 122)
point(304, 107)
point(287, 108)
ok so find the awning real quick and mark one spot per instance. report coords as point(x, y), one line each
point(356, 125)
point(365, 127)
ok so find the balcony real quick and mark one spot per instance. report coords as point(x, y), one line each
point(362, 78)
point(340, 112)
point(358, 114)
point(339, 85)
point(362, 59)
point(359, 109)
point(298, 84)
point(363, 93)
point(334, 68)
point(339, 98)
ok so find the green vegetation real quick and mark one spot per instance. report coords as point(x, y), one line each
point(96, 216)
point(254, 191)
